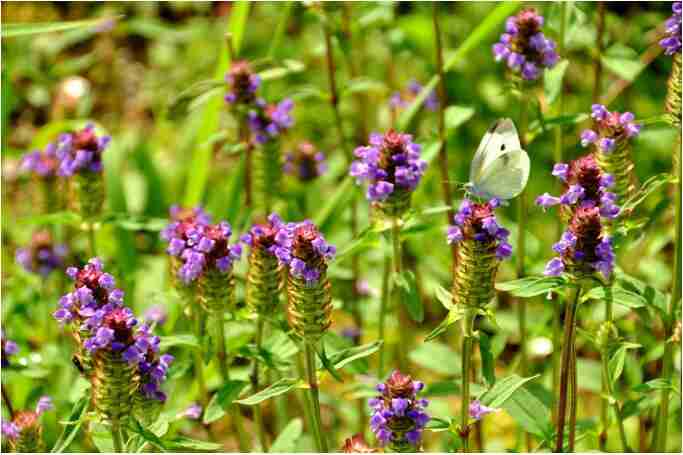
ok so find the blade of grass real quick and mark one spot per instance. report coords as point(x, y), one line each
point(33, 28)
point(201, 156)
point(280, 28)
point(489, 26)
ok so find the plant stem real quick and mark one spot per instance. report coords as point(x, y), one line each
point(383, 313)
point(315, 398)
point(304, 397)
point(443, 154)
point(600, 47)
point(559, 145)
point(604, 405)
point(468, 322)
point(91, 239)
point(225, 372)
point(398, 274)
point(248, 161)
point(116, 437)
point(258, 417)
point(198, 361)
point(8, 402)
point(617, 408)
point(569, 324)
point(574, 394)
point(668, 365)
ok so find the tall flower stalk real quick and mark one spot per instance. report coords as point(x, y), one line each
point(672, 46)
point(482, 244)
point(392, 167)
point(305, 253)
point(264, 286)
point(119, 357)
point(203, 258)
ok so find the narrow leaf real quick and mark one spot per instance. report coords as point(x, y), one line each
point(280, 387)
point(34, 28)
point(286, 440)
point(497, 395)
point(487, 360)
point(552, 80)
point(222, 399)
point(74, 422)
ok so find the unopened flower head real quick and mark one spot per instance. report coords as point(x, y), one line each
point(391, 166)
point(609, 129)
point(303, 250)
point(402, 99)
point(44, 164)
point(42, 255)
point(398, 415)
point(524, 47)
point(584, 247)
point(672, 39)
point(242, 82)
point(585, 185)
point(356, 444)
point(477, 222)
point(268, 121)
point(9, 348)
point(305, 162)
point(81, 152)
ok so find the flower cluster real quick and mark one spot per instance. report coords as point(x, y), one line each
point(80, 151)
point(42, 163)
point(401, 100)
point(398, 416)
point(96, 310)
point(586, 185)
point(524, 46)
point(268, 121)
point(242, 82)
point(199, 244)
point(303, 250)
point(672, 40)
point(305, 162)
point(584, 247)
point(390, 163)
point(610, 128)
point(41, 256)
point(26, 420)
point(263, 236)
point(475, 221)
point(9, 348)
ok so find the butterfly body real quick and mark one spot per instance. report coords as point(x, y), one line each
point(500, 168)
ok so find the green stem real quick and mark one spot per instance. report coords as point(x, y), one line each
point(668, 366)
point(468, 323)
point(198, 361)
point(617, 408)
point(309, 353)
point(521, 250)
point(116, 437)
point(398, 293)
point(574, 395)
point(258, 416)
point(242, 440)
point(383, 314)
point(569, 325)
point(304, 397)
point(91, 239)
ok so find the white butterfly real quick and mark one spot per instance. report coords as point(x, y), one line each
point(500, 168)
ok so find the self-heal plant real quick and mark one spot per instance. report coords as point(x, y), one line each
point(524, 47)
point(305, 162)
point(24, 431)
point(482, 244)
point(242, 84)
point(672, 46)
point(610, 138)
point(398, 415)
point(42, 255)
point(305, 253)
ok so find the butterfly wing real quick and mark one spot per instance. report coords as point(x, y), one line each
point(506, 176)
point(499, 138)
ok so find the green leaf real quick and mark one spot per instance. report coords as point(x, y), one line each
point(57, 218)
point(488, 363)
point(619, 295)
point(185, 444)
point(286, 440)
point(647, 188)
point(405, 283)
point(343, 358)
point(623, 61)
point(455, 116)
point(487, 28)
point(327, 364)
point(180, 104)
point(278, 388)
point(437, 357)
point(368, 239)
point(178, 340)
point(288, 67)
point(437, 425)
point(200, 161)
point(444, 297)
point(654, 384)
point(616, 363)
point(454, 315)
point(34, 28)
point(529, 411)
point(222, 400)
point(73, 423)
point(552, 80)
point(339, 198)
point(531, 286)
point(363, 85)
point(497, 395)
point(147, 435)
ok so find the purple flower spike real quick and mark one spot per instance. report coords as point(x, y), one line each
point(478, 222)
point(267, 122)
point(303, 250)
point(524, 47)
point(672, 40)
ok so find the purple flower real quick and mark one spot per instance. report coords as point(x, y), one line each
point(400, 100)
point(156, 314)
point(672, 39)
point(44, 163)
point(44, 404)
point(80, 151)
point(269, 121)
point(475, 221)
point(242, 83)
point(524, 47)
point(610, 129)
point(303, 250)
point(554, 267)
point(10, 430)
point(588, 137)
point(478, 410)
point(42, 255)
point(305, 162)
point(193, 412)
point(9, 348)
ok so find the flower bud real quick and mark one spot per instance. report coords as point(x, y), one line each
point(482, 244)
